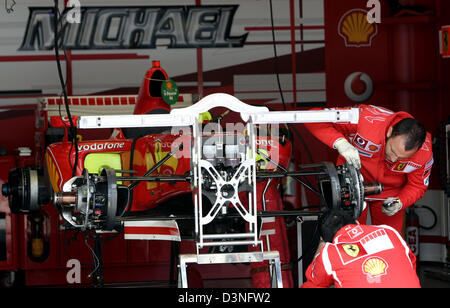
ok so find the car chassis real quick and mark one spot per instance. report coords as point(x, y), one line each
point(93, 201)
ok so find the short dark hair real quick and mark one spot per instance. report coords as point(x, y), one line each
point(332, 221)
point(413, 130)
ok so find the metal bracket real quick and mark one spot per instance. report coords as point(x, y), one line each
point(300, 221)
point(220, 258)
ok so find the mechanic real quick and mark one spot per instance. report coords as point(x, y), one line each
point(351, 255)
point(391, 148)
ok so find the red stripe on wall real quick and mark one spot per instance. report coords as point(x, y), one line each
point(276, 91)
point(284, 28)
point(85, 57)
point(433, 239)
point(285, 42)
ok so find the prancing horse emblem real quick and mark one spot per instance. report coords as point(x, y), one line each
point(351, 249)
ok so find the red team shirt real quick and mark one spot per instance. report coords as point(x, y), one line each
point(363, 256)
point(406, 179)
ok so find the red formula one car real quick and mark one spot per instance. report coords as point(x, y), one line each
point(217, 181)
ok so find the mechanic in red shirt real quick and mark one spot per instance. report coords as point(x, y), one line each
point(391, 148)
point(351, 255)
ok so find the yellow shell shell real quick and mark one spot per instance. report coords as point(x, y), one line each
point(356, 28)
point(375, 267)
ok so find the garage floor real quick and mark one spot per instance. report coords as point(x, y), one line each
point(434, 275)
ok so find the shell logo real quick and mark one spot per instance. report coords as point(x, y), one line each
point(375, 267)
point(373, 148)
point(356, 30)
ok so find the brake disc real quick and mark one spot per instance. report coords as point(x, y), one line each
point(354, 180)
point(111, 195)
point(342, 188)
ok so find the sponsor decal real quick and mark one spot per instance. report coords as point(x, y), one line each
point(358, 87)
point(412, 238)
point(351, 249)
point(101, 146)
point(370, 244)
point(374, 268)
point(365, 154)
point(400, 166)
point(134, 27)
point(376, 118)
point(373, 147)
point(360, 141)
point(356, 30)
point(152, 230)
point(376, 241)
point(426, 181)
point(169, 91)
point(354, 232)
point(411, 166)
point(350, 252)
point(426, 173)
point(425, 146)
point(53, 171)
point(444, 38)
point(365, 144)
point(379, 110)
point(429, 163)
point(172, 162)
point(405, 167)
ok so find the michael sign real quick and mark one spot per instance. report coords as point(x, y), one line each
point(135, 27)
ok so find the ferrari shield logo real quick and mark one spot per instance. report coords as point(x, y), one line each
point(444, 41)
point(351, 249)
point(401, 166)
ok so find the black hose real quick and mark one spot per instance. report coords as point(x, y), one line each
point(73, 129)
point(418, 206)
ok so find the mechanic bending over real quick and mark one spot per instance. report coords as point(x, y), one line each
point(351, 255)
point(389, 147)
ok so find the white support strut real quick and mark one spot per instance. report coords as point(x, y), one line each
point(188, 116)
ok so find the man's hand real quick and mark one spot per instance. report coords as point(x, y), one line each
point(391, 206)
point(349, 152)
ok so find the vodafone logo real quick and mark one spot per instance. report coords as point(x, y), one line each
point(361, 141)
point(358, 87)
point(101, 146)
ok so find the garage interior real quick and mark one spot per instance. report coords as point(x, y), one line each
point(285, 55)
